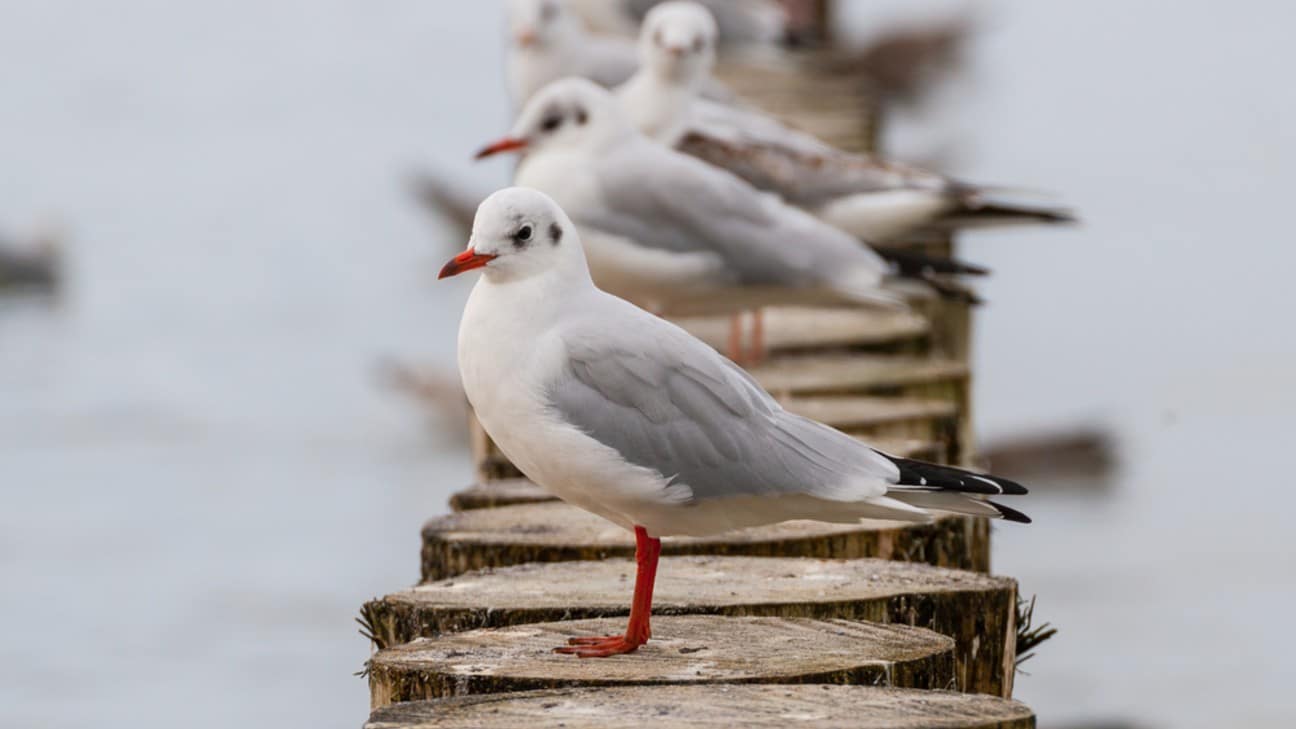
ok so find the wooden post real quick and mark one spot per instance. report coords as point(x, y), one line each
point(978, 611)
point(558, 532)
point(689, 707)
point(686, 649)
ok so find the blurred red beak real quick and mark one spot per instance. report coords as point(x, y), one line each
point(526, 38)
point(466, 261)
point(507, 144)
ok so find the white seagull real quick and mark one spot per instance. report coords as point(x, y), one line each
point(862, 194)
point(547, 41)
point(669, 231)
point(741, 22)
point(628, 416)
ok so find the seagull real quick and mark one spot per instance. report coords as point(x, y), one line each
point(626, 415)
point(672, 233)
point(547, 41)
point(740, 22)
point(866, 196)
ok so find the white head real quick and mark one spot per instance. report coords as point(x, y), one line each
point(678, 41)
point(517, 233)
point(571, 113)
point(539, 23)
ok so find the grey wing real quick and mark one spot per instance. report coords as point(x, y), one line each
point(668, 402)
point(799, 167)
point(664, 199)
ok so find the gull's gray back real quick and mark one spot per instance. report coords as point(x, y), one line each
point(666, 200)
point(665, 401)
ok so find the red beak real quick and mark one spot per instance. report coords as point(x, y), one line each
point(507, 144)
point(466, 261)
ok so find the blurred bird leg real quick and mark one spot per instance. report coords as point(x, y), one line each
point(757, 351)
point(734, 348)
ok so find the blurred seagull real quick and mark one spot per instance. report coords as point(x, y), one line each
point(628, 416)
point(869, 197)
point(547, 42)
point(740, 22)
point(671, 232)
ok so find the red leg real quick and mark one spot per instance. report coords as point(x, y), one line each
point(735, 344)
point(647, 550)
point(757, 353)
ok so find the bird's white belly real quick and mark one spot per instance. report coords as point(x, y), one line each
point(505, 381)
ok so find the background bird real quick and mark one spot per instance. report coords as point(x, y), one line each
point(872, 198)
point(671, 232)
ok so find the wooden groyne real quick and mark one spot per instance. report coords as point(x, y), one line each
point(875, 624)
point(977, 611)
point(693, 649)
point(819, 706)
point(558, 532)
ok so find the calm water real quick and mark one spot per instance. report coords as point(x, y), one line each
point(200, 481)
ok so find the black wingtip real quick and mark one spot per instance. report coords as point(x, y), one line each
point(949, 478)
point(1010, 514)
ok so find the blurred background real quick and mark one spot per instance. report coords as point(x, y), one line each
point(203, 475)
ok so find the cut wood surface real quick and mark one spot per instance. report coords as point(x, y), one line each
point(684, 649)
point(800, 327)
point(976, 610)
point(711, 707)
point(558, 532)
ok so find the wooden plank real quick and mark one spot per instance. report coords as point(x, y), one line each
point(807, 327)
point(856, 373)
point(558, 532)
point(684, 649)
point(976, 610)
point(834, 107)
point(693, 707)
point(502, 492)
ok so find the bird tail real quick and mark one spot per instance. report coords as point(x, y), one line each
point(946, 488)
point(979, 208)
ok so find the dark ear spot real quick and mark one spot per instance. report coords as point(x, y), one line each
point(555, 232)
point(581, 115)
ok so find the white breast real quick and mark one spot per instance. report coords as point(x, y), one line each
point(509, 353)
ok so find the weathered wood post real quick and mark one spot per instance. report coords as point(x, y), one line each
point(688, 707)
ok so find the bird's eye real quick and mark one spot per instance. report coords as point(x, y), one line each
point(523, 235)
point(581, 116)
point(548, 11)
point(658, 39)
point(551, 122)
point(698, 44)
